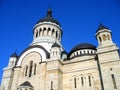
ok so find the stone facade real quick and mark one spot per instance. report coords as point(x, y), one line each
point(45, 65)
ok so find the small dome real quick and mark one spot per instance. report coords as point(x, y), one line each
point(49, 18)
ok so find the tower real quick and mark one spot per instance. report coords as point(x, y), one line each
point(108, 57)
point(9, 72)
point(47, 31)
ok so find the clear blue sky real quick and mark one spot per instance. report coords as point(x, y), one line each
point(79, 19)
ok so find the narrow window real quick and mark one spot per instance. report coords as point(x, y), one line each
point(35, 69)
point(30, 70)
point(82, 82)
point(100, 39)
point(89, 80)
point(37, 34)
point(56, 34)
point(114, 82)
point(26, 70)
point(108, 37)
point(75, 83)
point(51, 85)
point(40, 31)
point(104, 37)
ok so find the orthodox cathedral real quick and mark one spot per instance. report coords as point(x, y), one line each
point(45, 65)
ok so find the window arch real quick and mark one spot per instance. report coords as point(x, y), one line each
point(30, 68)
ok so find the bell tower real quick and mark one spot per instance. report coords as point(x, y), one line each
point(109, 59)
point(104, 36)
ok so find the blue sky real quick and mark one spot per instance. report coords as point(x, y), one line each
point(79, 20)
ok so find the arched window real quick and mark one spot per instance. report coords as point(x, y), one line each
point(44, 31)
point(57, 34)
point(40, 32)
point(104, 37)
point(30, 68)
point(114, 82)
point(100, 39)
point(35, 69)
point(82, 81)
point(26, 70)
point(75, 83)
point(89, 78)
point(108, 37)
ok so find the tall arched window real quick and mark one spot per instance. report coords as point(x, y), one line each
point(30, 68)
point(40, 32)
point(35, 68)
point(26, 70)
point(100, 39)
point(36, 34)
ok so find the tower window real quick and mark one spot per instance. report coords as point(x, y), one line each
point(104, 37)
point(40, 31)
point(108, 37)
point(100, 39)
point(30, 70)
point(114, 82)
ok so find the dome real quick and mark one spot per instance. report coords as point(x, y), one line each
point(49, 18)
point(83, 46)
point(82, 49)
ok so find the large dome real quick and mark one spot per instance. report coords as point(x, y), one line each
point(49, 18)
point(82, 49)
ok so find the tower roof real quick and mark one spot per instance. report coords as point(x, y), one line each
point(56, 45)
point(101, 27)
point(14, 55)
point(49, 18)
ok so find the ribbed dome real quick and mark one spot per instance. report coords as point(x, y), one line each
point(83, 46)
point(49, 18)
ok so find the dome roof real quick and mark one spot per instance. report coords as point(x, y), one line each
point(49, 18)
point(83, 46)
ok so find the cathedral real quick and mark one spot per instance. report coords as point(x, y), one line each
point(45, 65)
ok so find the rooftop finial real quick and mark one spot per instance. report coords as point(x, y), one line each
point(49, 11)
